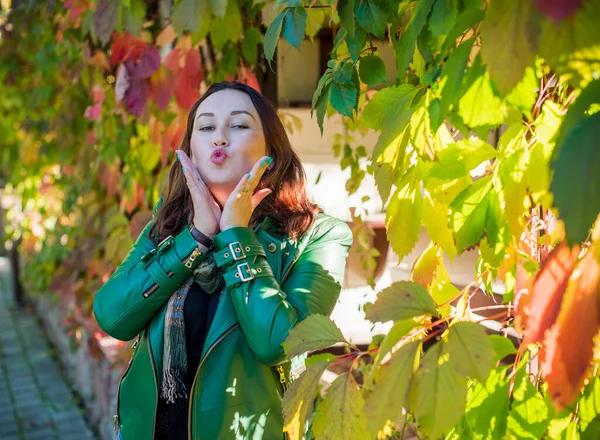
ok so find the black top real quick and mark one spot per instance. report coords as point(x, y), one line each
point(198, 312)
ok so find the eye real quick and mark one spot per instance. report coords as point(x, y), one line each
point(240, 126)
point(206, 128)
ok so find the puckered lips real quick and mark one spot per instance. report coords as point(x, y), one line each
point(218, 155)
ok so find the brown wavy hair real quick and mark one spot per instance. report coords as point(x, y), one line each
point(287, 205)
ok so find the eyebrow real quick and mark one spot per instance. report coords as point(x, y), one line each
point(233, 113)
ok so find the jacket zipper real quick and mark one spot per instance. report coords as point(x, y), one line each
point(279, 368)
point(116, 420)
point(155, 384)
point(188, 263)
point(196, 377)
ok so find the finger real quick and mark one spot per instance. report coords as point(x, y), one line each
point(187, 164)
point(258, 171)
point(259, 196)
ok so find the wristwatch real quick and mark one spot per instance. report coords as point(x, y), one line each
point(200, 237)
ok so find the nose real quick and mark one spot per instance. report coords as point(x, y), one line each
point(219, 139)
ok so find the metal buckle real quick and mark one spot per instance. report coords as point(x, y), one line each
point(248, 271)
point(237, 253)
point(163, 245)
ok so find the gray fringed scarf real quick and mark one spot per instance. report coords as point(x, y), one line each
point(208, 275)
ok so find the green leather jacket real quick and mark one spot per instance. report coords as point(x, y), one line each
point(272, 284)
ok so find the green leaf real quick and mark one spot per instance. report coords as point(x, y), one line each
point(471, 352)
point(443, 17)
point(321, 106)
point(503, 346)
point(578, 166)
point(404, 213)
point(294, 26)
point(313, 333)
point(400, 329)
point(340, 415)
point(465, 20)
point(469, 213)
point(298, 399)
point(252, 39)
point(528, 417)
point(186, 15)
point(133, 16)
point(589, 405)
point(371, 18)
point(513, 189)
point(314, 22)
point(390, 394)
point(406, 45)
point(389, 106)
point(420, 126)
point(538, 172)
point(479, 106)
point(435, 220)
point(437, 396)
point(509, 34)
point(459, 158)
point(401, 300)
point(577, 112)
point(549, 122)
point(572, 48)
point(321, 357)
point(372, 70)
point(450, 81)
point(219, 7)
point(105, 19)
point(344, 90)
point(388, 162)
point(488, 406)
point(498, 236)
point(355, 43)
point(346, 12)
point(524, 95)
point(272, 36)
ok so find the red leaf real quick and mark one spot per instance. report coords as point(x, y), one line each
point(171, 137)
point(172, 60)
point(186, 90)
point(568, 346)
point(149, 62)
point(93, 112)
point(162, 83)
point(192, 63)
point(248, 78)
point(137, 93)
point(547, 292)
point(124, 47)
point(558, 10)
point(97, 94)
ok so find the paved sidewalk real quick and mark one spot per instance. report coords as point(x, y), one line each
point(35, 401)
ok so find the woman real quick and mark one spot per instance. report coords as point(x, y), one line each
point(234, 257)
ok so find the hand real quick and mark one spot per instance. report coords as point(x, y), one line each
point(241, 202)
point(207, 212)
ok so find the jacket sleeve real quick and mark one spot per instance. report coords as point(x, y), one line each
point(268, 311)
point(144, 281)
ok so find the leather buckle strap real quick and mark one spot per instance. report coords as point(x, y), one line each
point(236, 251)
point(245, 272)
point(159, 249)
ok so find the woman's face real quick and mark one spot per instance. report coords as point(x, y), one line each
point(227, 140)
